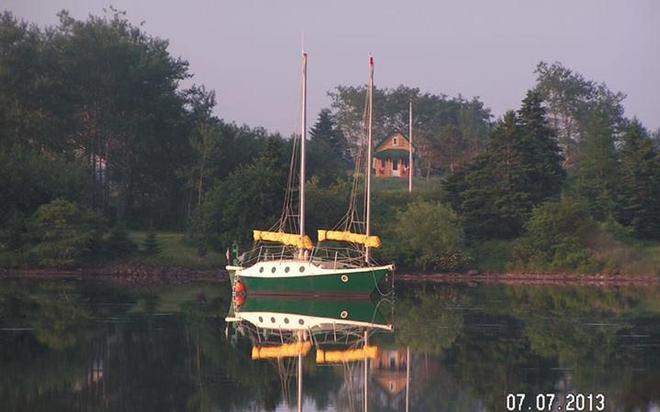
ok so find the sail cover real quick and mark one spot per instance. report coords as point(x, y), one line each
point(287, 350)
point(293, 239)
point(343, 236)
point(349, 355)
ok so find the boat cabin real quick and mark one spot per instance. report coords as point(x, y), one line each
point(391, 156)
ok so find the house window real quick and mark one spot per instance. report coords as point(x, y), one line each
point(395, 164)
point(394, 142)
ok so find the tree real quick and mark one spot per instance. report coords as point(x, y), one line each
point(557, 238)
point(151, 245)
point(638, 203)
point(571, 99)
point(597, 170)
point(65, 233)
point(329, 154)
point(326, 130)
point(496, 192)
point(430, 236)
point(545, 160)
point(448, 131)
point(249, 198)
point(27, 181)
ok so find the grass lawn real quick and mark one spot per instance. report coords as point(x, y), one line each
point(381, 184)
point(174, 252)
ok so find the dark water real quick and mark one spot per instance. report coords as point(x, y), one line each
point(69, 346)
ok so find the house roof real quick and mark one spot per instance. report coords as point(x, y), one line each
point(388, 137)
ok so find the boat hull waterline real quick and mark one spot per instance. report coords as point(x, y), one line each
point(357, 281)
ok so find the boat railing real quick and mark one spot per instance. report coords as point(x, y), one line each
point(338, 257)
point(268, 253)
point(326, 257)
point(325, 334)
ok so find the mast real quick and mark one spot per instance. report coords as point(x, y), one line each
point(300, 382)
point(301, 337)
point(370, 87)
point(410, 153)
point(303, 137)
point(366, 373)
point(407, 378)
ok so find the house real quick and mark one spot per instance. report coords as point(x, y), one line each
point(391, 156)
point(389, 371)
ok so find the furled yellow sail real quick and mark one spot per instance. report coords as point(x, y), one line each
point(343, 236)
point(350, 355)
point(287, 350)
point(303, 242)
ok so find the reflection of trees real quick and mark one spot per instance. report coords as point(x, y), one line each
point(60, 319)
point(90, 346)
point(594, 335)
point(577, 326)
point(428, 322)
point(488, 363)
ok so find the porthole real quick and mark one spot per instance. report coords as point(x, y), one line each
point(286, 320)
point(302, 269)
point(261, 319)
point(261, 269)
point(273, 269)
point(343, 314)
point(272, 320)
point(301, 322)
point(344, 278)
point(286, 269)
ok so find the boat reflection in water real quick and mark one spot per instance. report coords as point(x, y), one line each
point(332, 332)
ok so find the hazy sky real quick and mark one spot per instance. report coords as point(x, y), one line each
point(248, 51)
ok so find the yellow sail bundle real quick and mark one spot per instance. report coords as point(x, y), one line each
point(349, 355)
point(287, 350)
point(292, 239)
point(345, 236)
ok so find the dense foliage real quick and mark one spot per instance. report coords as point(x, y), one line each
point(521, 168)
point(448, 131)
point(98, 137)
point(557, 238)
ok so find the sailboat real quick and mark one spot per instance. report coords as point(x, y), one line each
point(287, 262)
point(286, 328)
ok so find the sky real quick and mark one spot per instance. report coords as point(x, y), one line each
point(249, 51)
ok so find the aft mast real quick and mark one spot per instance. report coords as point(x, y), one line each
point(369, 130)
point(303, 137)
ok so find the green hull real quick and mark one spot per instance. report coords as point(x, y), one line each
point(360, 283)
point(355, 310)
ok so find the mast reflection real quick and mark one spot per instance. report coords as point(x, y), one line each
point(287, 331)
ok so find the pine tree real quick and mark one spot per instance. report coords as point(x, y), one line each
point(328, 152)
point(522, 168)
point(325, 130)
point(597, 168)
point(544, 154)
point(638, 200)
point(151, 244)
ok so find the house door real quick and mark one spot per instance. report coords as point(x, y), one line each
point(395, 167)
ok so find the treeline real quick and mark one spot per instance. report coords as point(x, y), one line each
point(97, 136)
point(568, 176)
point(96, 132)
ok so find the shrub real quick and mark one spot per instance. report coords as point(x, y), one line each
point(558, 236)
point(430, 236)
point(65, 233)
point(118, 242)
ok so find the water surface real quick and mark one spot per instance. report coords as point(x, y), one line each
point(90, 345)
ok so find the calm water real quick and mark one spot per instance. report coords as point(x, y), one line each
point(68, 345)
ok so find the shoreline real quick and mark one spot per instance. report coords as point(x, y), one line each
point(143, 273)
point(534, 279)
